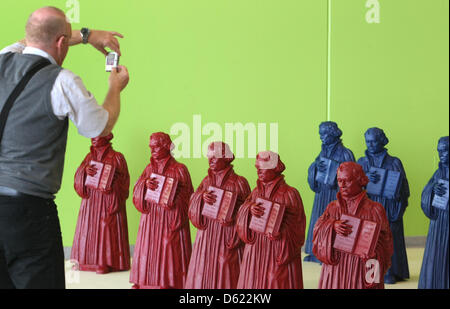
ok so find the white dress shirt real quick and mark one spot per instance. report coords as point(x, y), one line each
point(70, 98)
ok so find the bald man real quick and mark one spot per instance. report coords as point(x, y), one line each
point(33, 143)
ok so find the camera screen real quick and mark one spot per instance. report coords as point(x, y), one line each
point(110, 59)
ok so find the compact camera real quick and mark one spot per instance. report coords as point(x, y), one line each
point(112, 61)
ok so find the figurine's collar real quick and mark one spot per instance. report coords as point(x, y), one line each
point(376, 159)
point(99, 152)
point(352, 204)
point(331, 145)
point(269, 187)
point(219, 177)
point(160, 165)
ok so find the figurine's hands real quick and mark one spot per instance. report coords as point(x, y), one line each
point(91, 170)
point(102, 39)
point(374, 177)
point(209, 197)
point(322, 167)
point(152, 183)
point(341, 228)
point(439, 189)
point(257, 210)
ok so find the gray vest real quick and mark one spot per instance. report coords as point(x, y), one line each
point(34, 141)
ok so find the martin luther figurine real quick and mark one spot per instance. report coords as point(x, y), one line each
point(322, 176)
point(101, 237)
point(352, 238)
point(217, 252)
point(272, 223)
point(163, 245)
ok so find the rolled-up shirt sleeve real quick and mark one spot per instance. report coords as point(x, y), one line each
point(14, 48)
point(70, 98)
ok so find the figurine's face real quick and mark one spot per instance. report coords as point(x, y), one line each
point(266, 175)
point(349, 184)
point(326, 137)
point(217, 164)
point(158, 149)
point(443, 153)
point(374, 145)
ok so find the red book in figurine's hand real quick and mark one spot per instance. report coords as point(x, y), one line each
point(362, 240)
point(222, 209)
point(165, 193)
point(270, 222)
point(103, 178)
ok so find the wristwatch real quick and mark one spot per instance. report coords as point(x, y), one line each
point(85, 34)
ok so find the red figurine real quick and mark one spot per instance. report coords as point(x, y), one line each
point(163, 246)
point(217, 252)
point(101, 237)
point(352, 238)
point(271, 222)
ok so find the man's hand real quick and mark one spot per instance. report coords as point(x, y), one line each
point(152, 183)
point(209, 197)
point(322, 167)
point(374, 177)
point(119, 78)
point(439, 189)
point(102, 39)
point(341, 228)
point(257, 210)
point(91, 170)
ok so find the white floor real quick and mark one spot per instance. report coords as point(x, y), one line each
point(311, 273)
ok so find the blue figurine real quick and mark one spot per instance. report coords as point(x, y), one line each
point(435, 270)
point(378, 160)
point(322, 176)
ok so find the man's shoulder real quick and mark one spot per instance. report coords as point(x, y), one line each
point(16, 48)
point(67, 76)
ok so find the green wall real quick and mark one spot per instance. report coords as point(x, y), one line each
point(265, 61)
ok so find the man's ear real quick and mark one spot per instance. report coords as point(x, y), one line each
point(60, 41)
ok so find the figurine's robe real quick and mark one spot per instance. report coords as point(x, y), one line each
point(273, 263)
point(101, 235)
point(163, 246)
point(341, 270)
point(435, 266)
point(217, 251)
point(395, 208)
point(324, 193)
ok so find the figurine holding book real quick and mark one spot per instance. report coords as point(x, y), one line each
point(101, 237)
point(322, 176)
point(163, 245)
point(352, 238)
point(272, 223)
point(388, 185)
point(217, 251)
point(435, 266)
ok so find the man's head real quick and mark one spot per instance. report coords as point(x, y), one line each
point(219, 156)
point(329, 132)
point(269, 166)
point(47, 29)
point(160, 145)
point(351, 179)
point(375, 140)
point(443, 150)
